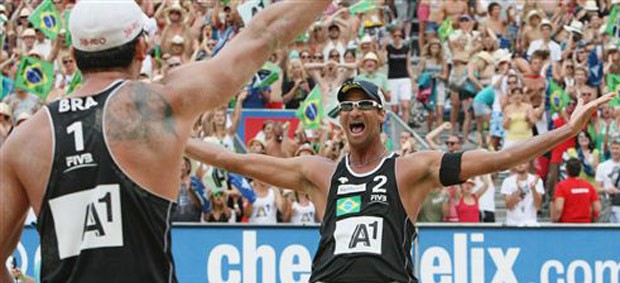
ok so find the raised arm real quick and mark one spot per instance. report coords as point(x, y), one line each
point(200, 86)
point(298, 174)
point(430, 169)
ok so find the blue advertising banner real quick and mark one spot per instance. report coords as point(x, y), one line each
point(445, 254)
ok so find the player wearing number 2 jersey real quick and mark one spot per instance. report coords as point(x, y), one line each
point(370, 200)
point(101, 168)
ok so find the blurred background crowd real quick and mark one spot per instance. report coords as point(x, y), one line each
point(457, 75)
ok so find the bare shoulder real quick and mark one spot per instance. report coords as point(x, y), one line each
point(419, 165)
point(139, 112)
point(29, 153)
point(318, 171)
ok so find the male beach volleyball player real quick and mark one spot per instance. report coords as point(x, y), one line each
point(371, 198)
point(101, 168)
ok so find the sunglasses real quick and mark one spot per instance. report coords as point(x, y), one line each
point(451, 143)
point(305, 57)
point(570, 66)
point(512, 82)
point(317, 57)
point(334, 55)
point(174, 65)
point(67, 61)
point(364, 105)
point(464, 20)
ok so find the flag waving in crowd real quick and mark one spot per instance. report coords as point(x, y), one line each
point(310, 112)
point(47, 19)
point(35, 76)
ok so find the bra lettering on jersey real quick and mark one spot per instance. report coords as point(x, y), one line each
point(76, 103)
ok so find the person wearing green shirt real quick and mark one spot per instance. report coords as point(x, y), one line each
point(370, 65)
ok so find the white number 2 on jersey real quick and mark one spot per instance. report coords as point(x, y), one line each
point(87, 220)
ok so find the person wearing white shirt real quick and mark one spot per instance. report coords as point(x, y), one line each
point(487, 200)
point(523, 194)
point(608, 180)
point(546, 43)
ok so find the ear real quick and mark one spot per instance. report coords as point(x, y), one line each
point(141, 49)
point(382, 115)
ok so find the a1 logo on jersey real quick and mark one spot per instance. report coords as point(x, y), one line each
point(363, 234)
point(88, 219)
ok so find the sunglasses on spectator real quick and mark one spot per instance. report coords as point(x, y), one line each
point(305, 57)
point(67, 61)
point(512, 82)
point(464, 20)
point(451, 143)
point(318, 57)
point(334, 56)
point(174, 65)
point(363, 105)
point(570, 66)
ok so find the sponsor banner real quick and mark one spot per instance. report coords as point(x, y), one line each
point(243, 253)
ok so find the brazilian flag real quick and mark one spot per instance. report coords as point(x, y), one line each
point(613, 24)
point(35, 76)
point(613, 84)
point(46, 18)
point(558, 98)
point(67, 15)
point(76, 82)
point(310, 112)
point(363, 6)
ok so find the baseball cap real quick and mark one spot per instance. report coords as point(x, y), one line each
point(29, 33)
point(370, 89)
point(93, 30)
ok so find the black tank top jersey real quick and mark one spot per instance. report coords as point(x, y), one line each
point(397, 61)
point(366, 234)
point(96, 224)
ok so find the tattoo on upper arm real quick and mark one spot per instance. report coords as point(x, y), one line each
point(139, 112)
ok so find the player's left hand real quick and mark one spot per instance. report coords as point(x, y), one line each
point(583, 112)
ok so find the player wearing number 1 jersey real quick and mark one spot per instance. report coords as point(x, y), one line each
point(101, 168)
point(370, 200)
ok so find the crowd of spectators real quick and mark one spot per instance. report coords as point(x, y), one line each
point(472, 73)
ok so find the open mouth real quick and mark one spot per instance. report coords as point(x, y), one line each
point(357, 127)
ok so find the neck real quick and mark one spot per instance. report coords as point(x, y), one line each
point(522, 175)
point(366, 156)
point(616, 159)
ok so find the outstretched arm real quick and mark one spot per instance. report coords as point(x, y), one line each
point(304, 174)
point(423, 170)
point(200, 86)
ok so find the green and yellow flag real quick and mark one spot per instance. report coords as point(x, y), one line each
point(445, 29)
point(310, 112)
point(613, 24)
point(75, 83)
point(67, 15)
point(35, 76)
point(46, 19)
point(558, 98)
point(363, 6)
point(613, 84)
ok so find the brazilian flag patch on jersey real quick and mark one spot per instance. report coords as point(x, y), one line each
point(348, 205)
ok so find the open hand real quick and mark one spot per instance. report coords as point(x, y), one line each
point(583, 112)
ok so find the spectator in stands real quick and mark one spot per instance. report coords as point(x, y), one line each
point(558, 151)
point(486, 201)
point(400, 74)
point(608, 179)
point(408, 144)
point(189, 205)
point(587, 154)
point(546, 42)
point(468, 208)
point(518, 118)
point(523, 195)
point(302, 210)
point(371, 73)
point(575, 200)
point(434, 64)
point(435, 207)
point(268, 203)
point(297, 84)
point(220, 212)
point(23, 102)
